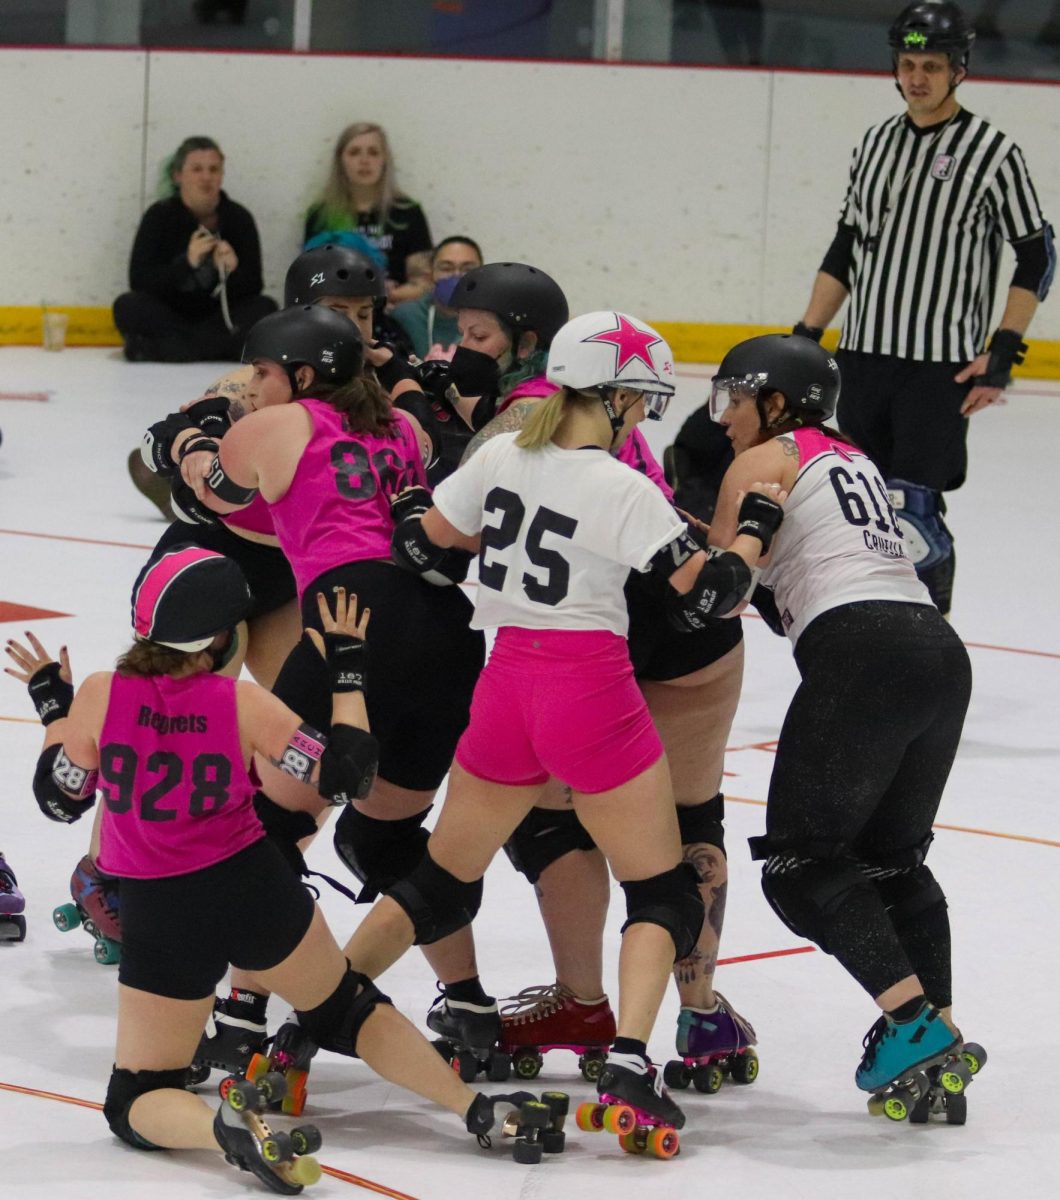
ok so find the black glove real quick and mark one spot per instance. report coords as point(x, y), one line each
point(760, 517)
point(412, 502)
point(391, 373)
point(1007, 350)
point(347, 660)
point(808, 331)
point(211, 415)
point(51, 695)
point(435, 377)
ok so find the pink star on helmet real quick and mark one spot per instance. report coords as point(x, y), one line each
point(629, 342)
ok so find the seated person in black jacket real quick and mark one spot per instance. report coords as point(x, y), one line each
point(195, 270)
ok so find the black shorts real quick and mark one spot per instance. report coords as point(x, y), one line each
point(906, 416)
point(423, 662)
point(267, 571)
point(657, 650)
point(180, 934)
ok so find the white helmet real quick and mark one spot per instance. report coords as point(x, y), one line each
point(613, 350)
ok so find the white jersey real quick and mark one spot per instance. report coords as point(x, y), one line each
point(840, 541)
point(561, 530)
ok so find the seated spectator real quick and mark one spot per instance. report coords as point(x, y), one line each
point(429, 322)
point(195, 270)
point(361, 194)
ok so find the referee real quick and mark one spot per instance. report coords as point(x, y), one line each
point(932, 195)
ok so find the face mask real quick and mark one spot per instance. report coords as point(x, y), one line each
point(444, 288)
point(473, 372)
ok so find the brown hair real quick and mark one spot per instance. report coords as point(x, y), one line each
point(168, 185)
point(362, 401)
point(152, 658)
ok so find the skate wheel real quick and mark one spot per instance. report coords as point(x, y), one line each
point(744, 1067)
point(875, 1106)
point(273, 1086)
point(277, 1148)
point(257, 1067)
point(106, 952)
point(304, 1171)
point(293, 1103)
point(526, 1152)
point(663, 1142)
point(499, 1067)
point(558, 1103)
point(974, 1055)
point(197, 1073)
point(306, 1139)
point(590, 1117)
point(896, 1107)
point(466, 1066)
point(921, 1110)
point(956, 1110)
point(708, 1079)
point(619, 1118)
point(676, 1075)
point(533, 1114)
point(955, 1076)
point(67, 917)
point(554, 1141)
point(631, 1143)
point(591, 1065)
point(527, 1064)
point(240, 1094)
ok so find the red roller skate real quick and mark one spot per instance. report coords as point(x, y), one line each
point(551, 1017)
point(635, 1106)
point(713, 1046)
point(95, 907)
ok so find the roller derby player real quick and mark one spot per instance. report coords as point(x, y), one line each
point(12, 905)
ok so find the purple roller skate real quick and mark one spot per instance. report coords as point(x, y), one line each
point(95, 907)
point(12, 906)
point(712, 1045)
point(635, 1106)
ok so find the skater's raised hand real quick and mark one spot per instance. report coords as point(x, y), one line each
point(51, 683)
point(342, 644)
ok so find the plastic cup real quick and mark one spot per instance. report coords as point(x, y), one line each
point(54, 330)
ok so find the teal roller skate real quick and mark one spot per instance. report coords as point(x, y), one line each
point(896, 1059)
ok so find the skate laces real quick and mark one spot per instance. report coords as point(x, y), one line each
point(535, 1002)
point(873, 1039)
point(742, 1023)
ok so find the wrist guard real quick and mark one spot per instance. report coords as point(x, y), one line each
point(157, 448)
point(412, 502)
point(759, 517)
point(189, 508)
point(808, 331)
point(196, 443)
point(391, 373)
point(435, 376)
point(211, 415)
point(1007, 350)
point(412, 549)
point(51, 695)
point(347, 660)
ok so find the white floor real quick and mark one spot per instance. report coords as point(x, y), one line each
point(73, 534)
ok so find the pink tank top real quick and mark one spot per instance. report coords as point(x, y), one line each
point(635, 452)
point(337, 508)
point(176, 794)
point(255, 517)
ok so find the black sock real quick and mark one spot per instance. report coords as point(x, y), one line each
point(908, 1010)
point(624, 1045)
point(468, 990)
point(247, 1005)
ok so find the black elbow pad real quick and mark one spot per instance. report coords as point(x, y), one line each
point(348, 765)
point(722, 583)
point(51, 799)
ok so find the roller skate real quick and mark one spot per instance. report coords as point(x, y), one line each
point(947, 1083)
point(553, 1018)
point(536, 1125)
point(282, 1161)
point(289, 1051)
point(12, 906)
point(229, 1041)
point(634, 1105)
point(896, 1059)
point(95, 907)
point(712, 1045)
point(468, 1036)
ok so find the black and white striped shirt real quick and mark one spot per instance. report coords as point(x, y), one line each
point(930, 209)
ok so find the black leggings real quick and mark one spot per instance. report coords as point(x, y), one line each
point(155, 332)
point(863, 758)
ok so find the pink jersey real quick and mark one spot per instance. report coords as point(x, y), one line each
point(256, 517)
point(337, 509)
point(176, 793)
point(635, 452)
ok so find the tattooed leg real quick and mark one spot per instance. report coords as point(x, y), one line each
point(695, 973)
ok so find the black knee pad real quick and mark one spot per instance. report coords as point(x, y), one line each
point(336, 1023)
point(544, 836)
point(701, 823)
point(807, 893)
point(436, 902)
point(670, 899)
point(379, 853)
point(285, 828)
point(124, 1088)
point(910, 895)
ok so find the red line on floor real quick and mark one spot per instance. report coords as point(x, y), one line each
point(61, 537)
point(36, 397)
point(346, 1176)
point(724, 962)
point(1011, 650)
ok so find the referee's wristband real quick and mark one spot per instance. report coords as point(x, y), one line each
point(808, 331)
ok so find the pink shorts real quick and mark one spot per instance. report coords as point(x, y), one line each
point(563, 703)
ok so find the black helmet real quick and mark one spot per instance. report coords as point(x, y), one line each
point(804, 372)
point(187, 596)
point(308, 335)
point(331, 271)
point(927, 27)
point(524, 298)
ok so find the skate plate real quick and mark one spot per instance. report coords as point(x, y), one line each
point(638, 1132)
point(527, 1061)
point(936, 1089)
point(707, 1072)
point(288, 1155)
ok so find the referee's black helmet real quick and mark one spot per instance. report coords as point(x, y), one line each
point(802, 371)
point(933, 27)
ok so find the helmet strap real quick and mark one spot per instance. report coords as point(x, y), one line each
point(614, 417)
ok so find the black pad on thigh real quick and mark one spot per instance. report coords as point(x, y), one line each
point(336, 1023)
point(703, 823)
point(670, 899)
point(436, 902)
point(379, 853)
point(544, 836)
point(125, 1087)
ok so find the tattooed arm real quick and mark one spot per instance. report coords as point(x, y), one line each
point(509, 421)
